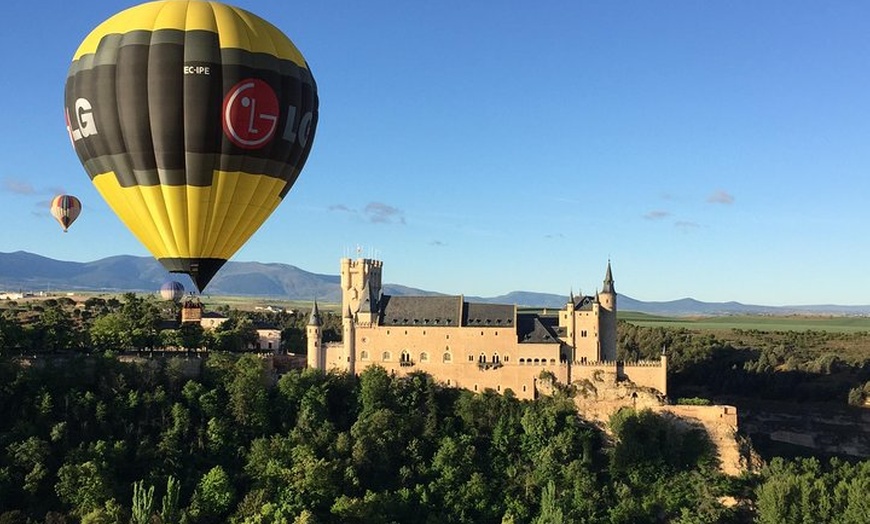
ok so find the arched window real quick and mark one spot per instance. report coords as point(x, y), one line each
point(446, 357)
point(363, 355)
point(537, 361)
point(481, 358)
point(495, 358)
point(386, 357)
point(405, 357)
point(424, 357)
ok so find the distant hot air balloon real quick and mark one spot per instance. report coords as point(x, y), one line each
point(66, 209)
point(172, 290)
point(193, 119)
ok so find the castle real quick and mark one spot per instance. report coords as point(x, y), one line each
point(475, 345)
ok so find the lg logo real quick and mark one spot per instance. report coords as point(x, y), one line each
point(86, 125)
point(250, 116)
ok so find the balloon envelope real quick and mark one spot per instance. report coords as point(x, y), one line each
point(66, 209)
point(193, 120)
point(172, 290)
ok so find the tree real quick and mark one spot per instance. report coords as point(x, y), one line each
point(143, 503)
point(249, 400)
point(11, 333)
point(213, 496)
point(111, 332)
point(83, 486)
point(550, 513)
point(55, 331)
point(169, 508)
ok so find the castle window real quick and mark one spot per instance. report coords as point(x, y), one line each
point(424, 357)
point(507, 358)
point(481, 333)
point(447, 337)
point(448, 381)
point(522, 361)
point(495, 358)
point(498, 387)
point(424, 332)
point(475, 387)
point(405, 357)
point(537, 361)
point(406, 331)
point(363, 355)
point(481, 358)
point(524, 388)
point(552, 361)
point(386, 356)
point(446, 357)
point(583, 333)
point(364, 339)
point(471, 358)
point(388, 332)
point(496, 333)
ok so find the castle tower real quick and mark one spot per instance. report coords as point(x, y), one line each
point(607, 317)
point(348, 337)
point(357, 275)
point(191, 310)
point(314, 332)
point(568, 321)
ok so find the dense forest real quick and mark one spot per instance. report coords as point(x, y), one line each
point(87, 437)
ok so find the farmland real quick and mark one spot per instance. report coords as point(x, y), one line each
point(832, 324)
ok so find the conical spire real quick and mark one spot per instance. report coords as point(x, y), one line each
point(608, 281)
point(314, 319)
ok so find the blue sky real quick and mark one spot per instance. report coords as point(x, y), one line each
point(717, 150)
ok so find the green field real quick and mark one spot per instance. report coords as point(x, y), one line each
point(834, 324)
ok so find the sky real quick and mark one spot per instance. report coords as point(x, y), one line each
point(713, 150)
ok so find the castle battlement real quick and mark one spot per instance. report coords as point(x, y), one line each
point(643, 364)
point(596, 363)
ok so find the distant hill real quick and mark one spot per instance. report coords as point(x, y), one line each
point(22, 271)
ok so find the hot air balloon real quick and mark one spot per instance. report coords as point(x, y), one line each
point(193, 120)
point(66, 209)
point(172, 290)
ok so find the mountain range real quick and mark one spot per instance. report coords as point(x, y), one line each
point(28, 272)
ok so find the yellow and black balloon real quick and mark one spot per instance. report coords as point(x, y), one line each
point(193, 120)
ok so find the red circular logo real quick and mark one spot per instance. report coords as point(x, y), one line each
point(250, 113)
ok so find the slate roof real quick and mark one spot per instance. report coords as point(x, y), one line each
point(420, 311)
point(443, 311)
point(584, 303)
point(488, 315)
point(534, 329)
